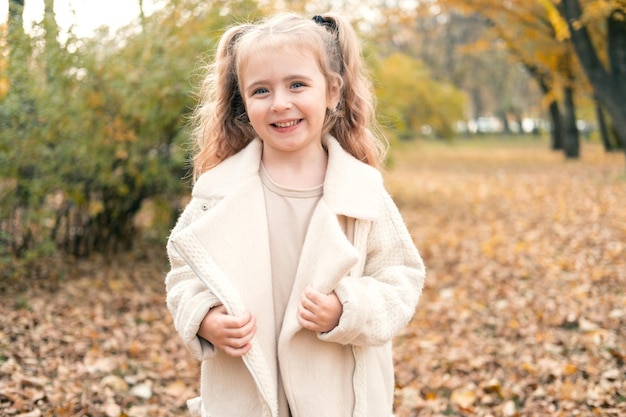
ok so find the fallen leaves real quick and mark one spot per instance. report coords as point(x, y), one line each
point(523, 309)
point(523, 313)
point(92, 347)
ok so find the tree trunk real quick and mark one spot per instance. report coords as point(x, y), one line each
point(142, 16)
point(16, 9)
point(17, 53)
point(477, 102)
point(604, 131)
point(542, 78)
point(609, 85)
point(571, 144)
point(52, 44)
point(506, 127)
point(520, 122)
point(556, 133)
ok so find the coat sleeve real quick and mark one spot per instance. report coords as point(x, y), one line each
point(377, 305)
point(188, 299)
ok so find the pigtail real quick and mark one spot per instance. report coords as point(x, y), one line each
point(219, 126)
point(353, 122)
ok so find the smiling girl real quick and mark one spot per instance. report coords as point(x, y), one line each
point(291, 267)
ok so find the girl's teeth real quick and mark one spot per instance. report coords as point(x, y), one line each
point(288, 124)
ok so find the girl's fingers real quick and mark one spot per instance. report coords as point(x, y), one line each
point(241, 345)
point(313, 296)
point(318, 311)
point(240, 331)
point(308, 324)
point(237, 351)
point(239, 326)
point(306, 306)
point(242, 336)
point(305, 313)
point(229, 333)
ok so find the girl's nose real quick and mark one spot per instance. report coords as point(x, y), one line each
point(281, 102)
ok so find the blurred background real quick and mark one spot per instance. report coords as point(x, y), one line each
point(93, 96)
point(507, 125)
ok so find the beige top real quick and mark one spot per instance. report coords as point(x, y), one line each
point(289, 212)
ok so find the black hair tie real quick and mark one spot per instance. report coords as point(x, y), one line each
point(318, 19)
point(328, 24)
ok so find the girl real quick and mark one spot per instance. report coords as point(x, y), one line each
point(291, 268)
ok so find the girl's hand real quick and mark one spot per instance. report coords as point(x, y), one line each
point(319, 312)
point(228, 333)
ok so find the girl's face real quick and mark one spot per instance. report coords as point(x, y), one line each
point(286, 98)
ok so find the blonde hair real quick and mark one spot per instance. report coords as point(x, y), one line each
point(219, 125)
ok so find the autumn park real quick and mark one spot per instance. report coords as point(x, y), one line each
point(507, 129)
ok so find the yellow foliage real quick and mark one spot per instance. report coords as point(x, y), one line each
point(478, 46)
point(559, 24)
point(409, 98)
point(116, 130)
point(600, 9)
point(95, 99)
point(548, 98)
point(4, 79)
point(95, 207)
point(4, 87)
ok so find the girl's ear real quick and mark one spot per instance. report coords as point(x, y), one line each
point(334, 93)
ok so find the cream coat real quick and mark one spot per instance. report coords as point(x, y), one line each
point(219, 253)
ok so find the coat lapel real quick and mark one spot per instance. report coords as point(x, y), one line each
point(234, 235)
point(326, 257)
point(228, 250)
point(351, 188)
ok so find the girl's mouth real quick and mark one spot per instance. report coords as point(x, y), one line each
point(283, 125)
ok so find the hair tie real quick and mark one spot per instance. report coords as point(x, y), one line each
point(326, 23)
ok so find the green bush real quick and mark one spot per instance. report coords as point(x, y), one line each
point(92, 132)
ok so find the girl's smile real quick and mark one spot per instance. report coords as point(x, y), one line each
point(286, 98)
point(284, 125)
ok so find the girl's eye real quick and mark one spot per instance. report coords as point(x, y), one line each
point(260, 91)
point(297, 84)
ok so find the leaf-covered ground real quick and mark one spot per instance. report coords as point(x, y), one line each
point(523, 312)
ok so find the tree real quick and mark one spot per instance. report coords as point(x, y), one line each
point(545, 61)
point(51, 47)
point(606, 69)
point(15, 33)
point(412, 102)
point(17, 122)
point(527, 28)
point(543, 79)
point(459, 51)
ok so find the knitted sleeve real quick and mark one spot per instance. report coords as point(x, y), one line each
point(188, 299)
point(380, 302)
